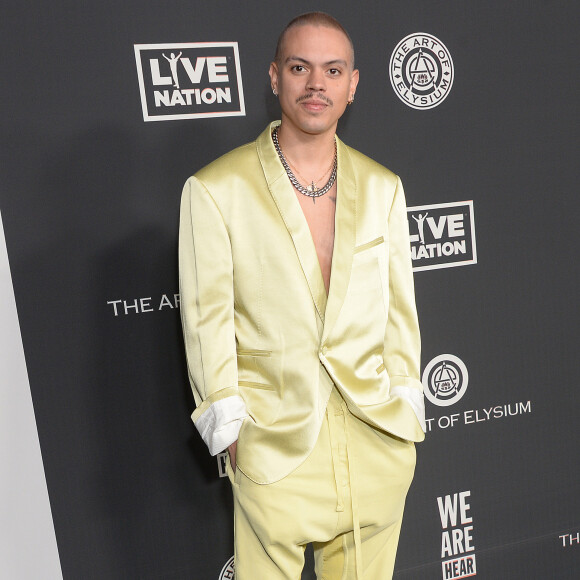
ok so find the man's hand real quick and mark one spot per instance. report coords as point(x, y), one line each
point(232, 451)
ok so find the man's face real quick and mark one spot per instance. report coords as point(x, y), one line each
point(314, 78)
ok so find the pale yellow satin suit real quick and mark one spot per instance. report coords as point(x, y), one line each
point(265, 345)
point(322, 393)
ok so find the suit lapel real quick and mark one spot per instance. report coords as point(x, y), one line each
point(291, 212)
point(344, 238)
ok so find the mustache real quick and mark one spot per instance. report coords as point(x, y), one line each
point(317, 96)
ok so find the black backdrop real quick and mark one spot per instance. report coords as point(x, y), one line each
point(90, 198)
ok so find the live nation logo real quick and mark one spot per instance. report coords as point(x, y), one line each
point(189, 80)
point(442, 235)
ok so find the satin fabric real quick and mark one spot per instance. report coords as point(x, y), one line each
point(347, 499)
point(257, 320)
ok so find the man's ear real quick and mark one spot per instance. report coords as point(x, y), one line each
point(273, 72)
point(353, 81)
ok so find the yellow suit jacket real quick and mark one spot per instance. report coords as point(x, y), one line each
point(264, 343)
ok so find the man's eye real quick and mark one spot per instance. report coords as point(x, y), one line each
point(334, 71)
point(298, 68)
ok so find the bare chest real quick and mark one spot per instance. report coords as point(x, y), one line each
point(320, 218)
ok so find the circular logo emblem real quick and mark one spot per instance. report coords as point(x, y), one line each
point(228, 572)
point(421, 71)
point(445, 380)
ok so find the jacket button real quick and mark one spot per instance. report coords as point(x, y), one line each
point(324, 349)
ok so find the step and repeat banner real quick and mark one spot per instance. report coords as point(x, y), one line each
point(109, 107)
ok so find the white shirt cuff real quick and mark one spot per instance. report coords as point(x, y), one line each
point(220, 424)
point(415, 399)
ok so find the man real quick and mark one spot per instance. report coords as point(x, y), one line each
point(300, 327)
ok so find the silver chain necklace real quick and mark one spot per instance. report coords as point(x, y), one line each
point(311, 191)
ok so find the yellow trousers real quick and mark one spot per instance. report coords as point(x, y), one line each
point(346, 499)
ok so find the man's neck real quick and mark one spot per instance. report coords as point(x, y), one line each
point(306, 149)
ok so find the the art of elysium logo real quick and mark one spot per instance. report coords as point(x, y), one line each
point(189, 80)
point(442, 235)
point(228, 572)
point(445, 380)
point(421, 71)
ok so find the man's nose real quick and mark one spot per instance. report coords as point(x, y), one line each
point(316, 80)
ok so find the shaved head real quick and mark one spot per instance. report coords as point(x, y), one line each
point(312, 19)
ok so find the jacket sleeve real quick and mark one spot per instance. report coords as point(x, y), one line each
point(402, 345)
point(207, 314)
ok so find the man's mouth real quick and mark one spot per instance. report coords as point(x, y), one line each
point(315, 106)
point(313, 103)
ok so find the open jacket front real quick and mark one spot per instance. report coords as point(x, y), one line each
point(262, 337)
